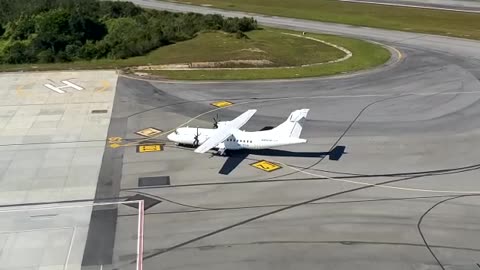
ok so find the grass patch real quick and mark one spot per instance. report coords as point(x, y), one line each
point(281, 50)
point(365, 55)
point(268, 44)
point(431, 21)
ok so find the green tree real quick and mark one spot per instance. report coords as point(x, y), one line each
point(73, 51)
point(116, 9)
point(67, 30)
point(53, 30)
point(89, 51)
point(21, 28)
point(126, 37)
point(18, 52)
point(84, 28)
point(46, 56)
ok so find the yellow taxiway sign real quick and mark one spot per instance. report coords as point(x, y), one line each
point(266, 165)
point(221, 103)
point(145, 148)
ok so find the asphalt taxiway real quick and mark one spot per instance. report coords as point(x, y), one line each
point(401, 194)
point(407, 134)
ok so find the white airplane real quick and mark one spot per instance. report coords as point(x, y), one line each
point(227, 135)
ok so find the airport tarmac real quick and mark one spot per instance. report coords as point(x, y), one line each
point(407, 136)
point(401, 193)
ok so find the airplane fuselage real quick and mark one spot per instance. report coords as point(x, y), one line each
point(238, 140)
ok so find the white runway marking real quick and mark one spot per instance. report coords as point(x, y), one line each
point(67, 84)
point(70, 248)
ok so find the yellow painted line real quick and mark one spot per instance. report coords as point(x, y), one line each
point(266, 166)
point(399, 53)
point(20, 91)
point(115, 145)
point(113, 140)
point(221, 103)
point(148, 132)
point(149, 148)
point(104, 87)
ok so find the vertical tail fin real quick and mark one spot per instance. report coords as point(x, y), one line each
point(292, 127)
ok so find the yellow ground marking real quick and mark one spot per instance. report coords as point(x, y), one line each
point(149, 148)
point(20, 91)
point(221, 103)
point(115, 145)
point(397, 51)
point(112, 140)
point(400, 55)
point(266, 165)
point(115, 142)
point(104, 87)
point(148, 132)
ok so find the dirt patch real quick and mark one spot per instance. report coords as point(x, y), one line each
point(206, 65)
point(257, 50)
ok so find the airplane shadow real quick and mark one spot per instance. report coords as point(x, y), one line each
point(234, 158)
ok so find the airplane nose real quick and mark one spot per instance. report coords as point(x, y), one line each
point(171, 136)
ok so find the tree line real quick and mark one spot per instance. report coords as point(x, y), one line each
point(49, 31)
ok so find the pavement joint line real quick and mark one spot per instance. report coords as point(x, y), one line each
point(35, 230)
point(43, 104)
point(64, 207)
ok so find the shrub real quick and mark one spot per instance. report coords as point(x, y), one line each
point(65, 30)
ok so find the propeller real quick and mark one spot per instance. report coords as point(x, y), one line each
point(215, 121)
point(195, 139)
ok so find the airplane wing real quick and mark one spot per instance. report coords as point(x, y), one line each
point(223, 132)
